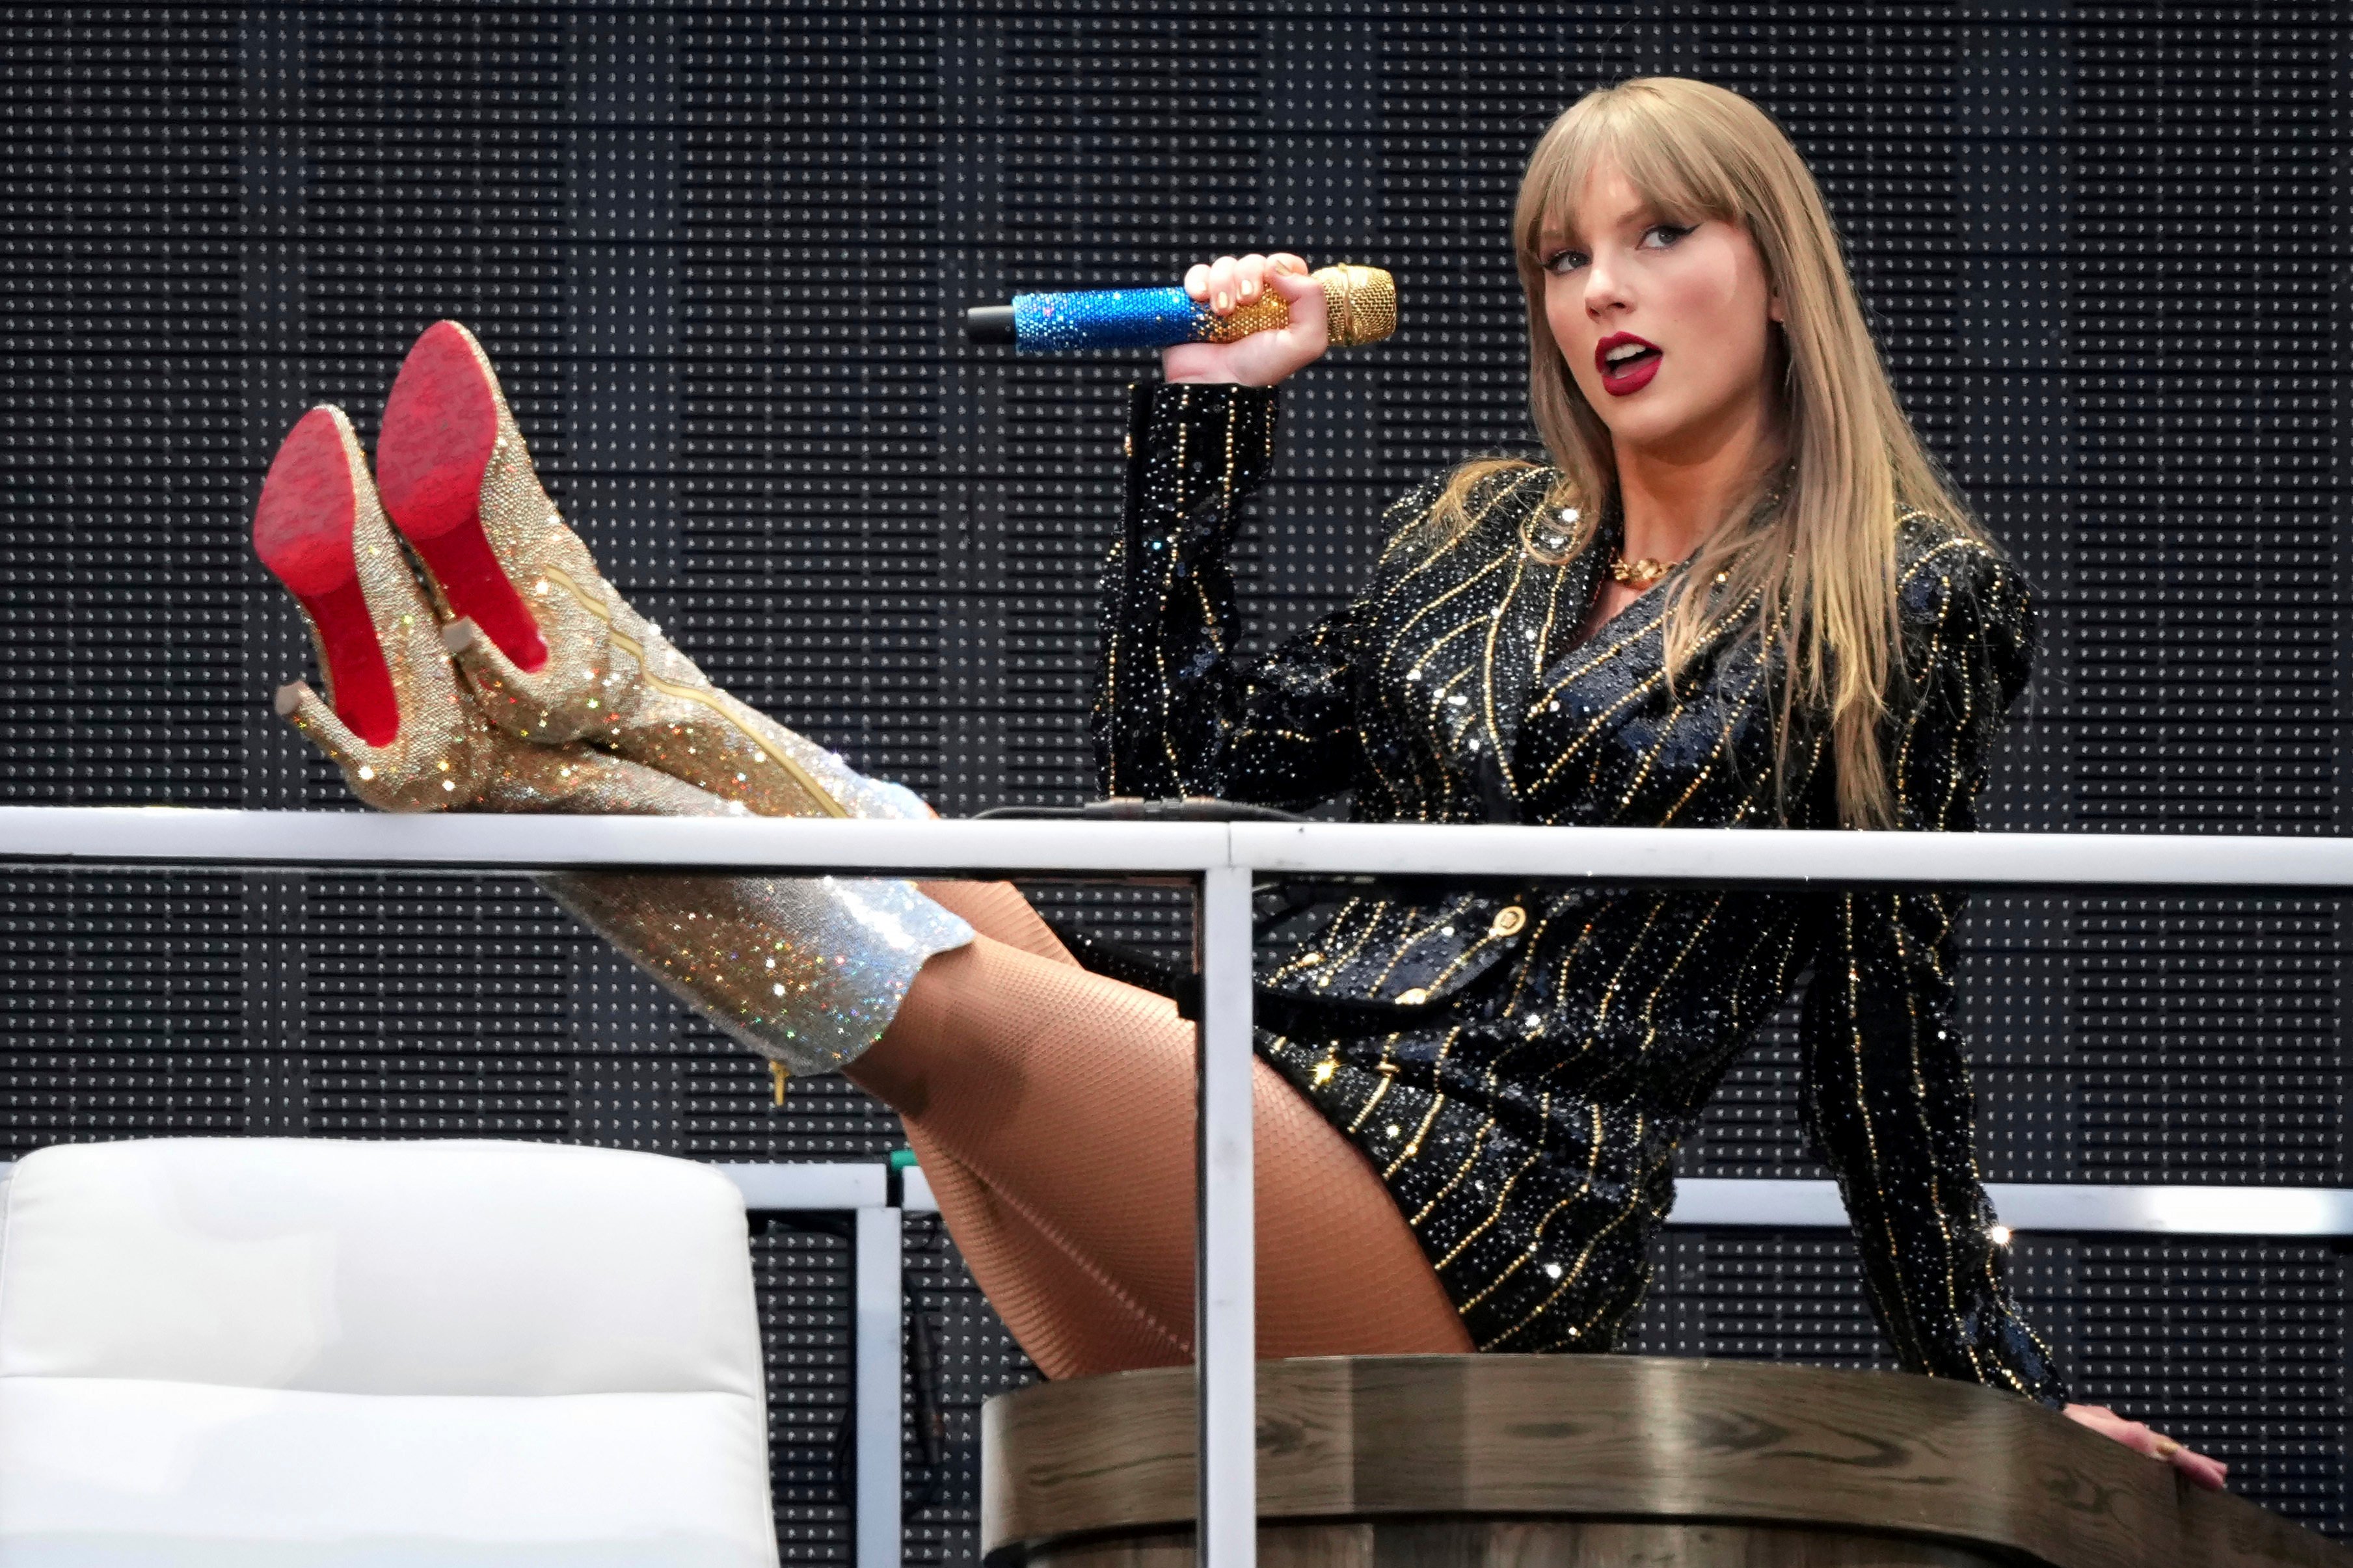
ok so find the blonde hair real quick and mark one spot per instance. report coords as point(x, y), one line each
point(1822, 565)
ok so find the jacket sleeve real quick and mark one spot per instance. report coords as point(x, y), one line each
point(1887, 1101)
point(1176, 711)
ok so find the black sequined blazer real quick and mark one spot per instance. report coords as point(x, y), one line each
point(1520, 1068)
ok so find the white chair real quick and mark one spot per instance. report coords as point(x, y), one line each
point(275, 1352)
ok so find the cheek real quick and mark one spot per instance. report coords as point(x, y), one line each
point(1703, 310)
point(1561, 311)
point(1693, 306)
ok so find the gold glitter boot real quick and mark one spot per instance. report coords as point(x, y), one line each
point(552, 652)
point(397, 721)
point(805, 971)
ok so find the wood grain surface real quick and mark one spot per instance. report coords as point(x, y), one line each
point(1640, 1440)
point(1524, 1543)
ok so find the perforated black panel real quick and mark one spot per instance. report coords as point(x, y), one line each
point(715, 251)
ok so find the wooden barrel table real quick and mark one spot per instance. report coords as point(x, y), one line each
point(1604, 1462)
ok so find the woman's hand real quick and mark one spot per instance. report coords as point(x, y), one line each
point(2206, 1472)
point(1261, 359)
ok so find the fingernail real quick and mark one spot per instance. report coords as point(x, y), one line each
point(1223, 300)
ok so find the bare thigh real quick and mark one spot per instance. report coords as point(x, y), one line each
point(1064, 1100)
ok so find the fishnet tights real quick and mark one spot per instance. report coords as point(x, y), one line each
point(1052, 1111)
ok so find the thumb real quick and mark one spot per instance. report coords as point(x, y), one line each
point(1302, 296)
point(1294, 286)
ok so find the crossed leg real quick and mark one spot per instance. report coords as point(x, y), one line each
point(1054, 1106)
point(1052, 1109)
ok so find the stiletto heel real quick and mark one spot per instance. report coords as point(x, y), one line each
point(550, 650)
point(444, 423)
point(395, 718)
point(302, 530)
point(458, 482)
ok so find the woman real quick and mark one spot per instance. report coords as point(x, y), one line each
point(1740, 596)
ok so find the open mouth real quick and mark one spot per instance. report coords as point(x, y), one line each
point(1630, 374)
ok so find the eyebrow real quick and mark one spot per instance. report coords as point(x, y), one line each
point(1642, 210)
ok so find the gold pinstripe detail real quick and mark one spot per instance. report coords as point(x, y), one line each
point(1599, 1138)
point(1585, 1255)
point(1495, 1066)
point(1600, 1021)
point(1487, 670)
point(1438, 1099)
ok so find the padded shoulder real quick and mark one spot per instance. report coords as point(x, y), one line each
point(1936, 561)
point(1954, 591)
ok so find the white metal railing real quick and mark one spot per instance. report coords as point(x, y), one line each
point(1218, 860)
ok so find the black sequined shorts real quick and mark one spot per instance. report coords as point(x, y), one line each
point(1540, 1238)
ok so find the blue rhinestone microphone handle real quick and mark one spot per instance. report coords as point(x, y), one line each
point(1359, 306)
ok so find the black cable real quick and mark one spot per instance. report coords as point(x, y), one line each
point(924, 1388)
point(843, 1458)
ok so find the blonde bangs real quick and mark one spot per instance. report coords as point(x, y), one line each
point(1663, 174)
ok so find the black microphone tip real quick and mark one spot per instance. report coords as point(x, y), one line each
point(989, 324)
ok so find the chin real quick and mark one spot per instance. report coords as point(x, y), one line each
point(1642, 425)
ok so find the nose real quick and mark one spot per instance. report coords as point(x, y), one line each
point(1604, 295)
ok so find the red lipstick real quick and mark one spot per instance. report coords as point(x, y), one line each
point(1628, 375)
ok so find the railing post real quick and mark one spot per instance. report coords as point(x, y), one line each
point(1225, 1328)
point(879, 1283)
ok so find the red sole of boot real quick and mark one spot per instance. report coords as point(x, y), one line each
point(440, 426)
point(302, 532)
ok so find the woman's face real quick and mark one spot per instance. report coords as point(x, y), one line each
point(1697, 294)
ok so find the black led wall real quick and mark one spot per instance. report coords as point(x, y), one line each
point(716, 251)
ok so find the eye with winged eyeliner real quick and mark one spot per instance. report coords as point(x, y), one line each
point(1677, 230)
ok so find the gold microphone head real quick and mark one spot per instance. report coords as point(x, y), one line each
point(1359, 306)
point(1360, 303)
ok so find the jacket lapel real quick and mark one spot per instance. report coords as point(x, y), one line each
point(1633, 647)
point(1633, 642)
point(1538, 597)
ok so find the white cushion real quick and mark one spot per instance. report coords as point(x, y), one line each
point(364, 1267)
point(173, 1475)
point(290, 1351)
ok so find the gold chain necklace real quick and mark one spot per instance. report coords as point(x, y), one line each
point(1639, 574)
point(1648, 570)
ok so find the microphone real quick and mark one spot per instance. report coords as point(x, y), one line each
point(1359, 306)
